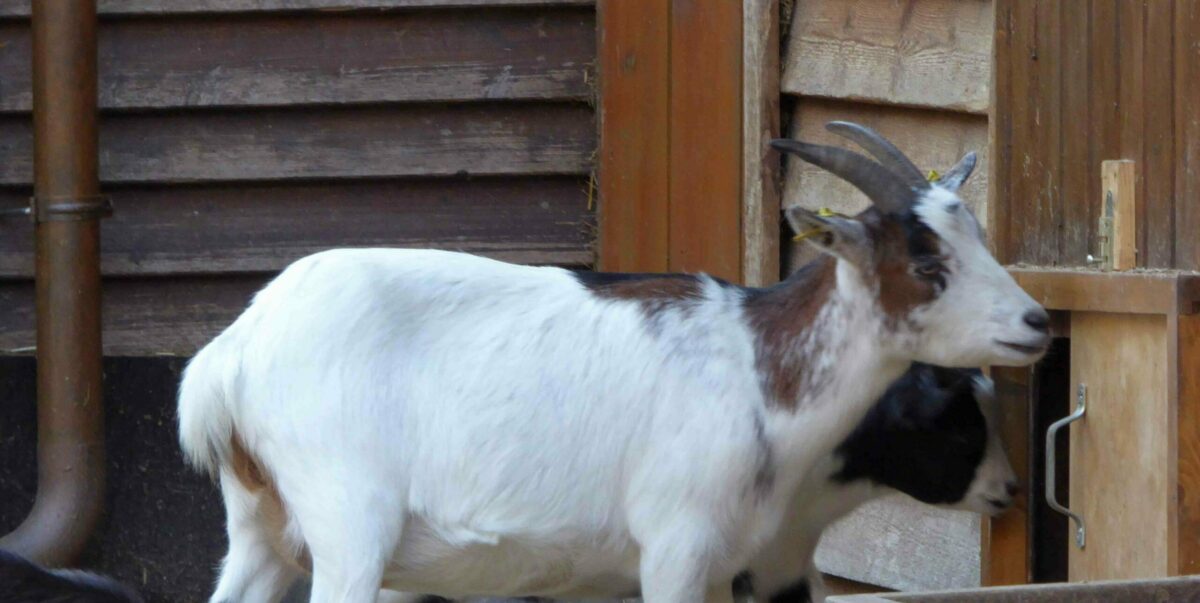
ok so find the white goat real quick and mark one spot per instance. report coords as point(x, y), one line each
point(436, 422)
point(933, 436)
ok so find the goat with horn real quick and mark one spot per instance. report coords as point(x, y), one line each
point(434, 422)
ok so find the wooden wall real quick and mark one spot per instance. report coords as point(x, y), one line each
point(916, 70)
point(919, 72)
point(238, 135)
point(1081, 82)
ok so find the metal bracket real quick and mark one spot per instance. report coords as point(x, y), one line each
point(1051, 434)
point(1105, 235)
point(70, 209)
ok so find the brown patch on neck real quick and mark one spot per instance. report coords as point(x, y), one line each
point(779, 317)
point(655, 292)
point(270, 510)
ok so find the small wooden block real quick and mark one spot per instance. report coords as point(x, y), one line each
point(1119, 178)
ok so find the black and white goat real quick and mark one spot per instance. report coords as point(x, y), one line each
point(933, 436)
point(440, 423)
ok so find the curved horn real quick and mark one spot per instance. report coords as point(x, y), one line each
point(885, 189)
point(882, 149)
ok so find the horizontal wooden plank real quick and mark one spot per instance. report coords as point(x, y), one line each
point(933, 139)
point(925, 53)
point(1131, 292)
point(142, 317)
point(902, 544)
point(20, 8)
point(215, 229)
point(374, 141)
point(332, 58)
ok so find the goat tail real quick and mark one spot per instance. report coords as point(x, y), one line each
point(205, 417)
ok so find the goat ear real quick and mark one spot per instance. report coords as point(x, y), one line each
point(954, 178)
point(844, 238)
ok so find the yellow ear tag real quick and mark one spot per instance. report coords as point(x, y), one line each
point(933, 176)
point(823, 212)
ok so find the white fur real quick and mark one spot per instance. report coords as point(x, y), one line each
point(442, 423)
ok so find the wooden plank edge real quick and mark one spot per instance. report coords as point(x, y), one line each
point(1183, 356)
point(761, 186)
point(1130, 292)
point(21, 10)
point(866, 99)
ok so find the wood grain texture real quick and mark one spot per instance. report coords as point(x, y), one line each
point(288, 59)
point(705, 229)
point(1120, 450)
point(634, 170)
point(760, 123)
point(20, 8)
point(1004, 541)
point(1120, 185)
point(142, 317)
point(1187, 135)
point(933, 139)
point(926, 53)
point(1185, 525)
point(376, 141)
point(1136, 292)
point(1084, 82)
point(999, 130)
point(258, 228)
point(901, 544)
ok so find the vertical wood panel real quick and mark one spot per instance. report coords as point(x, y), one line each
point(634, 161)
point(1022, 214)
point(1130, 44)
point(1076, 128)
point(1105, 115)
point(1186, 524)
point(1119, 451)
point(760, 123)
point(1187, 135)
point(1000, 131)
point(1005, 539)
point(1159, 146)
point(706, 138)
point(1047, 129)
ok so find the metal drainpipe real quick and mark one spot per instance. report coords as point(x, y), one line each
point(67, 207)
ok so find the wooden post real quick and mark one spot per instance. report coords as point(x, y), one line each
point(670, 174)
point(1119, 187)
point(760, 123)
point(1004, 542)
point(706, 138)
point(634, 168)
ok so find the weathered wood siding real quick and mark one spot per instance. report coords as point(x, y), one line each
point(1081, 82)
point(916, 70)
point(919, 72)
point(237, 136)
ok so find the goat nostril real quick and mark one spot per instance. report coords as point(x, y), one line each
point(1012, 488)
point(1038, 320)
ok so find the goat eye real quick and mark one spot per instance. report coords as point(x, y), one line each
point(928, 270)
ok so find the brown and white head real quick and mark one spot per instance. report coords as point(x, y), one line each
point(944, 298)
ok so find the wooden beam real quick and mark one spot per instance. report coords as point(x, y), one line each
point(1184, 379)
point(1120, 185)
point(1004, 542)
point(1117, 292)
point(706, 138)
point(760, 123)
point(634, 165)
